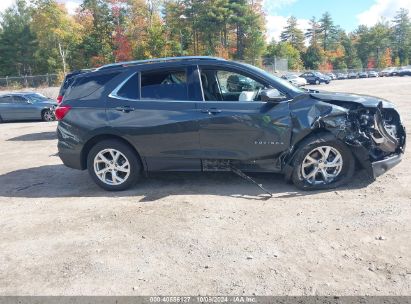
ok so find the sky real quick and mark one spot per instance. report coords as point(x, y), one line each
point(346, 13)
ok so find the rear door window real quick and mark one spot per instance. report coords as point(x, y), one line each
point(165, 85)
point(19, 99)
point(6, 99)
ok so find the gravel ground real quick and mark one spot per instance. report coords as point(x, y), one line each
point(199, 233)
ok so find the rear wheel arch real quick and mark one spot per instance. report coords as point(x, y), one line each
point(98, 138)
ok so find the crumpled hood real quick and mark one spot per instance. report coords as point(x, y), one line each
point(366, 101)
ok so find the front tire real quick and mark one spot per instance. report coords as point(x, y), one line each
point(322, 162)
point(317, 82)
point(113, 165)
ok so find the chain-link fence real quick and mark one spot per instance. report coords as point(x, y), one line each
point(19, 82)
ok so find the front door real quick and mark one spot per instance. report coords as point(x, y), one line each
point(159, 117)
point(237, 125)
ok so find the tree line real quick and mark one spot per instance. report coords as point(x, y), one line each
point(386, 44)
point(41, 37)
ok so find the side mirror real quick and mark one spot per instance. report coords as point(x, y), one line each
point(272, 95)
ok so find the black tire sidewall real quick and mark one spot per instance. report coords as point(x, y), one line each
point(327, 140)
point(43, 114)
point(135, 165)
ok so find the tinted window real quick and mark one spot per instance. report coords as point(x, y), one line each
point(130, 89)
point(37, 97)
point(164, 85)
point(5, 99)
point(19, 99)
point(86, 85)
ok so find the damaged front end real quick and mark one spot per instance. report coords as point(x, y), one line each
point(373, 130)
point(381, 133)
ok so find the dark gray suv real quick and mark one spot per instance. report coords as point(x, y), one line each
point(208, 114)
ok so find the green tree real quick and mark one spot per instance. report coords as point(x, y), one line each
point(17, 41)
point(288, 51)
point(61, 36)
point(293, 34)
point(402, 35)
point(97, 45)
point(313, 31)
point(313, 57)
point(350, 52)
point(327, 31)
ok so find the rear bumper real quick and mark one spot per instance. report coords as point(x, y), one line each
point(70, 158)
point(69, 149)
point(382, 166)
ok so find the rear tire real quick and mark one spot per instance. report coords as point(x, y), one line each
point(330, 170)
point(48, 115)
point(317, 82)
point(113, 165)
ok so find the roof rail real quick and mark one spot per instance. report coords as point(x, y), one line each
point(157, 60)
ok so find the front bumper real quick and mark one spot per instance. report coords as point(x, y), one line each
point(382, 166)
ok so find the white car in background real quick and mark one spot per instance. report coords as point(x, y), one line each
point(295, 80)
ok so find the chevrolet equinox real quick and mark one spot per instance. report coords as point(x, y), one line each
point(124, 120)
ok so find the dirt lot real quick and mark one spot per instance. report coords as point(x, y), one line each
point(199, 234)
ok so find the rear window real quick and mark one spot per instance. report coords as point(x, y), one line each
point(164, 85)
point(84, 86)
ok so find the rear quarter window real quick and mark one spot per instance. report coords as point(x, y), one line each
point(84, 86)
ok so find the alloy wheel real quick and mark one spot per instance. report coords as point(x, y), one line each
point(48, 116)
point(111, 167)
point(322, 165)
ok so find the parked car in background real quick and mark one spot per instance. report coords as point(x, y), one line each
point(372, 74)
point(315, 78)
point(342, 76)
point(363, 75)
point(68, 80)
point(332, 76)
point(182, 114)
point(388, 72)
point(295, 80)
point(26, 106)
point(405, 71)
point(352, 75)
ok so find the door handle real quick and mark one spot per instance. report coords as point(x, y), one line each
point(125, 109)
point(214, 111)
point(211, 111)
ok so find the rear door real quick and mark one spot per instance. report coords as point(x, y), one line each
point(156, 110)
point(236, 124)
point(25, 110)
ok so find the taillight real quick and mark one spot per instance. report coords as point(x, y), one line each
point(61, 111)
point(59, 98)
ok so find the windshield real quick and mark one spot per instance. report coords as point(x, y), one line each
point(37, 97)
point(276, 79)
